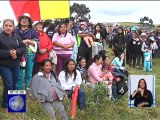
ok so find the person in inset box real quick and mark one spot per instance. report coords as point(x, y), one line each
point(142, 96)
point(88, 39)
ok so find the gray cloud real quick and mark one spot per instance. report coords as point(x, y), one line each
point(117, 12)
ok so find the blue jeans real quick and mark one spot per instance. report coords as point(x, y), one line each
point(118, 71)
point(81, 98)
point(114, 90)
point(147, 66)
point(10, 78)
point(26, 73)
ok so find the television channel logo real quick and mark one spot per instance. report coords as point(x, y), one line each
point(16, 101)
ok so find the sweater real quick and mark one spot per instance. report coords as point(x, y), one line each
point(28, 34)
point(8, 43)
point(41, 88)
point(117, 62)
point(95, 73)
point(134, 46)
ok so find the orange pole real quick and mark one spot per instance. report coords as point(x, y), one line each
point(74, 102)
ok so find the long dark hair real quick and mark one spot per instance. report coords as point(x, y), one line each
point(103, 54)
point(119, 56)
point(59, 28)
point(121, 34)
point(97, 57)
point(45, 61)
point(80, 58)
point(95, 31)
point(145, 88)
point(67, 71)
point(52, 72)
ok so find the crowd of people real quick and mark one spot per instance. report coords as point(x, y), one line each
point(51, 60)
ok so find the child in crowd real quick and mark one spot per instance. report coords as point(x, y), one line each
point(82, 68)
point(147, 47)
point(108, 79)
point(147, 61)
point(153, 44)
point(87, 39)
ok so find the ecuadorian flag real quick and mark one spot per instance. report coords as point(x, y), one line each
point(38, 9)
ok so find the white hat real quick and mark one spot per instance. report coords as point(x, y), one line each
point(152, 38)
point(144, 34)
point(83, 23)
point(25, 15)
point(36, 22)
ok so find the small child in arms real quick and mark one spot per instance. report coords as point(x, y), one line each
point(87, 39)
point(108, 79)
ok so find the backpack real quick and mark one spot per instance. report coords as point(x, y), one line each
point(121, 87)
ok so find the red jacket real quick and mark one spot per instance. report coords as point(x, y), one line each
point(45, 42)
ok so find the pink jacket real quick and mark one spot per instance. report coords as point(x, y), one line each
point(95, 74)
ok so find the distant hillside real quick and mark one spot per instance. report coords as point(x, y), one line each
point(128, 23)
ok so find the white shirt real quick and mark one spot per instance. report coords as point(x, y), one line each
point(98, 36)
point(67, 84)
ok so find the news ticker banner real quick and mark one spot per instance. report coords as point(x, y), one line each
point(16, 101)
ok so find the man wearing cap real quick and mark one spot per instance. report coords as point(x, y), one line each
point(30, 39)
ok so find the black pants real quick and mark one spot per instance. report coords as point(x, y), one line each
point(86, 52)
point(127, 56)
point(135, 58)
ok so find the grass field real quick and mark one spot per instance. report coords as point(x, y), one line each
point(118, 110)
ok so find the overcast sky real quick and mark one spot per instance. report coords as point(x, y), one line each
point(122, 11)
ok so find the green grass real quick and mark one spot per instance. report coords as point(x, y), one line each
point(118, 110)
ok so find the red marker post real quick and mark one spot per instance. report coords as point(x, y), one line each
point(74, 102)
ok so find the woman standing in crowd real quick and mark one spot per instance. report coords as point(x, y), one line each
point(70, 78)
point(64, 43)
point(157, 51)
point(134, 48)
point(73, 33)
point(11, 49)
point(30, 39)
point(119, 42)
point(46, 89)
point(142, 96)
point(98, 33)
point(143, 39)
point(99, 40)
point(45, 46)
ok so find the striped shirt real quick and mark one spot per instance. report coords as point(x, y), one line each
point(63, 40)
